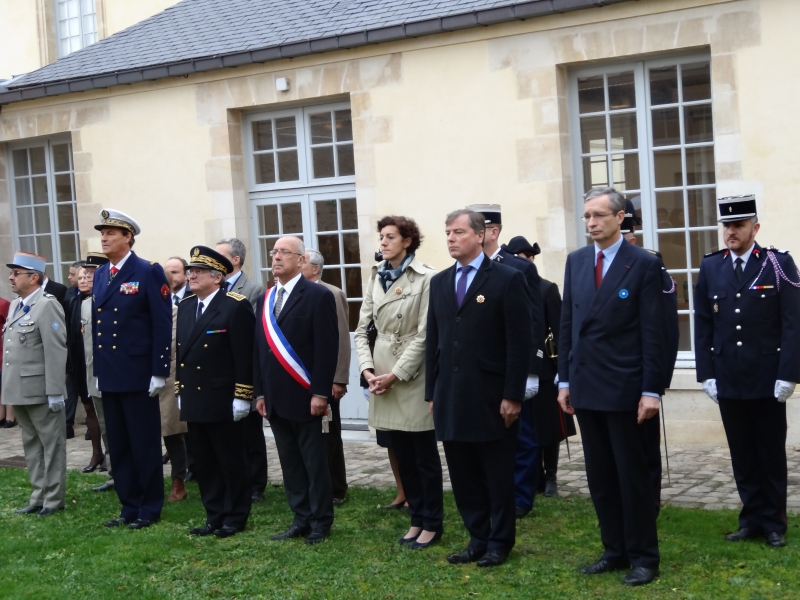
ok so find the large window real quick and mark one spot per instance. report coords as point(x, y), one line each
point(77, 25)
point(43, 196)
point(647, 129)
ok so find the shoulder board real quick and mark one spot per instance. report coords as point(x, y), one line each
point(651, 251)
point(46, 295)
point(720, 251)
point(187, 297)
point(152, 262)
point(774, 249)
point(236, 296)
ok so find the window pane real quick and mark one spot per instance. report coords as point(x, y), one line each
point(350, 244)
point(329, 248)
point(326, 215)
point(681, 289)
point(39, 185)
point(621, 92)
point(66, 222)
point(322, 159)
point(268, 221)
point(700, 165)
point(591, 95)
point(27, 244)
point(344, 126)
point(349, 213)
point(666, 127)
point(321, 132)
point(41, 217)
point(266, 245)
point(698, 124)
point(668, 170)
point(625, 171)
point(673, 249)
point(333, 277)
point(702, 242)
point(262, 135)
point(286, 132)
point(669, 210)
point(69, 252)
point(354, 308)
point(266, 278)
point(64, 271)
point(63, 188)
point(288, 169)
point(292, 219)
point(595, 172)
point(703, 207)
point(44, 246)
point(20, 158)
point(353, 276)
point(593, 134)
point(25, 221)
point(624, 132)
point(346, 161)
point(22, 189)
point(664, 85)
point(696, 80)
point(265, 168)
point(685, 333)
point(61, 157)
point(37, 161)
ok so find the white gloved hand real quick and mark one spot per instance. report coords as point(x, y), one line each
point(556, 379)
point(531, 386)
point(366, 393)
point(784, 389)
point(241, 408)
point(179, 402)
point(710, 388)
point(156, 385)
point(56, 403)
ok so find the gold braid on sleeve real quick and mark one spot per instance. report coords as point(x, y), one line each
point(245, 392)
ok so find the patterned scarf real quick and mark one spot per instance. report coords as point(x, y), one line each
point(389, 276)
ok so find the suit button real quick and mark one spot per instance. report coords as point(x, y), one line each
point(115, 310)
point(738, 295)
point(112, 335)
point(399, 316)
point(181, 364)
point(205, 345)
point(455, 368)
point(455, 344)
point(738, 327)
point(779, 349)
point(458, 319)
point(99, 310)
point(182, 386)
point(98, 333)
point(198, 368)
point(98, 321)
point(738, 343)
point(737, 310)
point(100, 346)
point(198, 388)
point(712, 349)
point(113, 347)
point(114, 322)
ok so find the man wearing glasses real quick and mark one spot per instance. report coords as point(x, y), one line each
point(33, 381)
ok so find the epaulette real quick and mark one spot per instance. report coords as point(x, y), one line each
point(774, 249)
point(46, 295)
point(721, 250)
point(236, 296)
point(187, 297)
point(152, 262)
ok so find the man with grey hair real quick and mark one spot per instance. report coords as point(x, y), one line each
point(234, 250)
point(312, 270)
point(611, 371)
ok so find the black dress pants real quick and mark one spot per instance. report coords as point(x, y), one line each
point(220, 466)
point(256, 447)
point(303, 452)
point(652, 429)
point(615, 449)
point(336, 464)
point(482, 475)
point(756, 431)
point(176, 449)
point(421, 473)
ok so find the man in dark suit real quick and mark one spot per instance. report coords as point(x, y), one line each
point(747, 347)
point(132, 330)
point(296, 350)
point(214, 385)
point(478, 353)
point(611, 371)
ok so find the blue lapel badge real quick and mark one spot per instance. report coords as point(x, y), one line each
point(623, 294)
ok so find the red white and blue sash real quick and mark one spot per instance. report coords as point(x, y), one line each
point(279, 344)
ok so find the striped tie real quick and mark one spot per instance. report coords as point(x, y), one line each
point(279, 302)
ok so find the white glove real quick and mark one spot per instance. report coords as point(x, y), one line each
point(366, 393)
point(710, 388)
point(241, 408)
point(179, 402)
point(556, 379)
point(56, 403)
point(784, 389)
point(156, 385)
point(531, 386)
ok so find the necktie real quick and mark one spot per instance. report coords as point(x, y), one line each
point(199, 311)
point(461, 287)
point(113, 271)
point(598, 270)
point(176, 300)
point(279, 302)
point(228, 286)
point(738, 269)
point(20, 306)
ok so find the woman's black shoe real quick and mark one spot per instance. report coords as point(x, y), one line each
point(9, 424)
point(404, 540)
point(397, 506)
point(420, 545)
point(92, 468)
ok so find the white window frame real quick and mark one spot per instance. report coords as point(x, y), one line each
point(82, 32)
point(648, 233)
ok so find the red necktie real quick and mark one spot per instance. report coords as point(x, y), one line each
point(114, 271)
point(598, 270)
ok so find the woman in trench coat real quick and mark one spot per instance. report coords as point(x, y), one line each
point(396, 299)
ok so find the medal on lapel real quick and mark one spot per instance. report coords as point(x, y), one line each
point(480, 299)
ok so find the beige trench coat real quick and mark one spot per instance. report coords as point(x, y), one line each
point(401, 318)
point(171, 423)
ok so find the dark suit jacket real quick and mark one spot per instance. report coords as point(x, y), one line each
point(552, 320)
point(479, 354)
point(769, 319)
point(76, 358)
point(132, 332)
point(214, 359)
point(59, 291)
point(309, 323)
point(669, 301)
point(612, 339)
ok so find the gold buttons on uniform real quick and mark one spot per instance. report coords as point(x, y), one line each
point(113, 347)
point(100, 346)
point(98, 321)
point(115, 310)
point(205, 345)
point(181, 364)
point(737, 310)
point(738, 295)
point(198, 368)
point(114, 322)
point(182, 386)
point(113, 334)
point(198, 388)
point(99, 310)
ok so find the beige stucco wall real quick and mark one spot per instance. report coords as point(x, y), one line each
point(439, 122)
point(19, 38)
point(120, 14)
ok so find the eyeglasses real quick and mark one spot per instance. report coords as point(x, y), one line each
point(16, 274)
point(596, 216)
point(196, 272)
point(283, 252)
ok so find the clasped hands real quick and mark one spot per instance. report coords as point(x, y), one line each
point(648, 405)
point(379, 384)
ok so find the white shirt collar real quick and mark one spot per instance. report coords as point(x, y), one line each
point(234, 278)
point(208, 299)
point(122, 262)
point(745, 257)
point(24, 301)
point(289, 285)
point(496, 252)
point(610, 252)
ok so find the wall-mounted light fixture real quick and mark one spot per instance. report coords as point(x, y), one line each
point(282, 84)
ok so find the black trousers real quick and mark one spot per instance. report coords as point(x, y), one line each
point(756, 431)
point(615, 450)
point(303, 452)
point(482, 475)
point(256, 447)
point(421, 473)
point(336, 465)
point(176, 448)
point(220, 463)
point(652, 429)
point(71, 401)
point(133, 427)
point(549, 463)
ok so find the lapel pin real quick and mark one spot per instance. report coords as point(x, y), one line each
point(623, 293)
point(398, 290)
point(716, 307)
point(480, 299)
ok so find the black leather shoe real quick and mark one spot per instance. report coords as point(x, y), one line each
point(775, 539)
point(551, 488)
point(493, 558)
point(46, 512)
point(603, 566)
point(9, 424)
point(117, 522)
point(140, 524)
point(397, 506)
point(743, 533)
point(104, 487)
point(416, 545)
point(404, 540)
point(257, 496)
point(91, 468)
point(316, 536)
point(70, 432)
point(225, 531)
point(293, 532)
point(640, 576)
point(28, 510)
point(165, 458)
point(522, 512)
point(467, 555)
point(338, 501)
point(202, 531)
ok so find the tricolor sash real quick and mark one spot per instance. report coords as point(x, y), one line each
point(279, 344)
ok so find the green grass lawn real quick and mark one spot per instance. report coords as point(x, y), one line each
point(71, 555)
